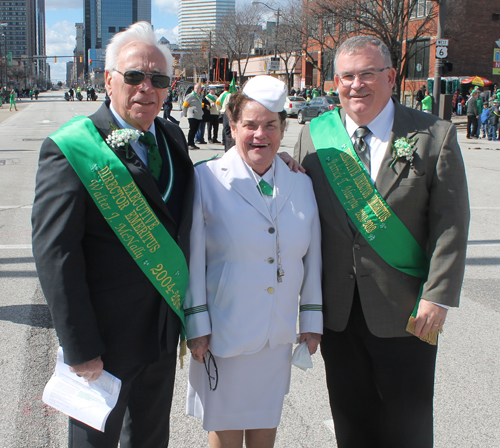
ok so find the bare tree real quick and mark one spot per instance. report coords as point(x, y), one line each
point(392, 21)
point(320, 33)
point(289, 38)
point(237, 37)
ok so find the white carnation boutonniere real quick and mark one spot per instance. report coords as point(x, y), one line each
point(404, 147)
point(122, 137)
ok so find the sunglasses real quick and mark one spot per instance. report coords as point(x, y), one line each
point(136, 77)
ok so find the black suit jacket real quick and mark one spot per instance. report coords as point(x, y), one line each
point(101, 302)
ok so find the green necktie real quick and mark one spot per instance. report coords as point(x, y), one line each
point(265, 187)
point(154, 157)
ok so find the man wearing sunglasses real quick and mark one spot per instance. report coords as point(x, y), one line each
point(392, 197)
point(106, 205)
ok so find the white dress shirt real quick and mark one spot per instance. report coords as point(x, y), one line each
point(140, 149)
point(380, 128)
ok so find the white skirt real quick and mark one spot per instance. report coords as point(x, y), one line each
point(249, 394)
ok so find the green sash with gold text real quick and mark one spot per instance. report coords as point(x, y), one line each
point(364, 205)
point(125, 209)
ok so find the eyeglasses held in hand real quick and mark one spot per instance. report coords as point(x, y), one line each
point(136, 77)
point(211, 368)
point(364, 77)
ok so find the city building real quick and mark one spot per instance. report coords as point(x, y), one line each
point(470, 32)
point(22, 29)
point(78, 56)
point(105, 18)
point(199, 20)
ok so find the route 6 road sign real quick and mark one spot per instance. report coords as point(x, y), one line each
point(441, 52)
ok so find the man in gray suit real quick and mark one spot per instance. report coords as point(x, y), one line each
point(93, 263)
point(380, 377)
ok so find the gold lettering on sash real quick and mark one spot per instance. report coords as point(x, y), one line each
point(351, 201)
point(142, 231)
point(350, 162)
point(363, 184)
point(379, 208)
point(112, 186)
point(369, 226)
point(362, 216)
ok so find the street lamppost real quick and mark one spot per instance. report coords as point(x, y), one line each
point(4, 66)
point(277, 11)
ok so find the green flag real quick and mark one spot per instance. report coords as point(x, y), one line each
point(232, 86)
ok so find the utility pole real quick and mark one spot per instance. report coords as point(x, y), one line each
point(438, 62)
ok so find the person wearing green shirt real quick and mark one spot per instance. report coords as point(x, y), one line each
point(427, 104)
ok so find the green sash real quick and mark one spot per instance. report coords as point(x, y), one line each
point(128, 213)
point(364, 205)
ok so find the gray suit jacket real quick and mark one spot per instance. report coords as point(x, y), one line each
point(430, 199)
point(102, 304)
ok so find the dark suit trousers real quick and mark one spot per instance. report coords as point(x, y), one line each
point(141, 416)
point(471, 125)
point(194, 124)
point(381, 389)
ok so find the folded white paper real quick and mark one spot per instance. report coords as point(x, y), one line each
point(301, 357)
point(88, 402)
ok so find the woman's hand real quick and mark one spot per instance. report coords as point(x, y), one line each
point(313, 339)
point(198, 347)
point(291, 162)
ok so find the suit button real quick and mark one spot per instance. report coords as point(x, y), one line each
point(351, 276)
point(270, 290)
point(357, 246)
point(271, 230)
point(270, 260)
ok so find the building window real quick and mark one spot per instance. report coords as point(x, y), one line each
point(422, 8)
point(418, 62)
point(112, 29)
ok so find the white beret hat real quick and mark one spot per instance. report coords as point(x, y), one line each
point(268, 91)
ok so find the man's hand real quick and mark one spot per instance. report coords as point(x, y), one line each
point(198, 347)
point(291, 162)
point(90, 370)
point(430, 317)
point(313, 339)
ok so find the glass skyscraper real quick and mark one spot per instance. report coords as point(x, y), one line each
point(105, 18)
point(197, 18)
point(22, 30)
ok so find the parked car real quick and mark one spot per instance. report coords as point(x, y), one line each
point(316, 107)
point(293, 104)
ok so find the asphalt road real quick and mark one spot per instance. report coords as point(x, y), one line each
point(467, 398)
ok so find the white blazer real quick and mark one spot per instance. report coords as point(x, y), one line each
point(233, 288)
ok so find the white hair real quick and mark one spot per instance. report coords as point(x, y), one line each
point(139, 32)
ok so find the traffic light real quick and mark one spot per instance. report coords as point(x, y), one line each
point(90, 62)
point(81, 59)
point(175, 62)
point(55, 58)
point(447, 67)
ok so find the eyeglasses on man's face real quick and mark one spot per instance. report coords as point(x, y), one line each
point(363, 77)
point(136, 77)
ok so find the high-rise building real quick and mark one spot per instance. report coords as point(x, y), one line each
point(201, 18)
point(105, 18)
point(22, 29)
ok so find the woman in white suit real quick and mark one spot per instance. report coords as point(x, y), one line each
point(255, 248)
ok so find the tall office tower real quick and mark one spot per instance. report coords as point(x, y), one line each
point(199, 18)
point(105, 18)
point(22, 32)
